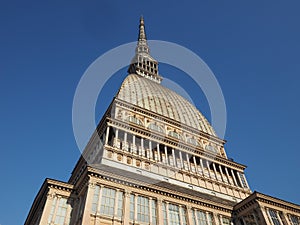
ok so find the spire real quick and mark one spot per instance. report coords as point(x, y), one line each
point(142, 45)
point(143, 63)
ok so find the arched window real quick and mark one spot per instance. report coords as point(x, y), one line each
point(211, 148)
point(193, 141)
point(155, 127)
point(175, 135)
point(135, 120)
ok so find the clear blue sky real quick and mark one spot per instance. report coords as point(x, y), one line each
point(252, 47)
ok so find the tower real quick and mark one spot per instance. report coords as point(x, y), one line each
point(154, 159)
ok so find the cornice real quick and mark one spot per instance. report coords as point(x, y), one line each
point(155, 189)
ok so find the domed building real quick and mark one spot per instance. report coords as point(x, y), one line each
point(155, 159)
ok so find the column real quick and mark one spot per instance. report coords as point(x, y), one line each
point(135, 207)
point(116, 139)
point(88, 203)
point(279, 218)
point(228, 177)
point(216, 219)
point(285, 217)
point(196, 166)
point(188, 161)
point(266, 216)
point(134, 150)
point(150, 150)
point(142, 151)
point(207, 217)
point(232, 173)
point(221, 172)
point(181, 161)
point(107, 134)
point(160, 215)
point(150, 210)
point(202, 167)
point(125, 144)
point(221, 220)
point(196, 216)
point(126, 209)
point(167, 211)
point(166, 155)
point(158, 152)
point(189, 211)
point(207, 164)
point(174, 158)
point(117, 133)
point(215, 171)
point(239, 178)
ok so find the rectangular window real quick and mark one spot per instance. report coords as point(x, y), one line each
point(174, 217)
point(95, 199)
point(164, 208)
point(174, 214)
point(294, 220)
point(183, 213)
point(120, 205)
point(61, 211)
point(202, 218)
point(52, 210)
point(153, 211)
point(143, 209)
point(274, 217)
point(243, 180)
point(108, 201)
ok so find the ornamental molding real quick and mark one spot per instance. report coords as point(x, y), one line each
point(156, 136)
point(159, 117)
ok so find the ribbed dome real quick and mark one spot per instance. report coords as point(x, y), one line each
point(150, 95)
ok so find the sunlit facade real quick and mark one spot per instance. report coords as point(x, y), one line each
point(155, 159)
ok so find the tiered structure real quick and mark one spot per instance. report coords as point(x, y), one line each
point(155, 159)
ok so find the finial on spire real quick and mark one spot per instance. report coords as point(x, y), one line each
point(142, 19)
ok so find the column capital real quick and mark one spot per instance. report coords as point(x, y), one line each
point(127, 193)
point(159, 201)
point(91, 185)
point(51, 196)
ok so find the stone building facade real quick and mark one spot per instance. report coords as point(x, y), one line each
point(155, 159)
